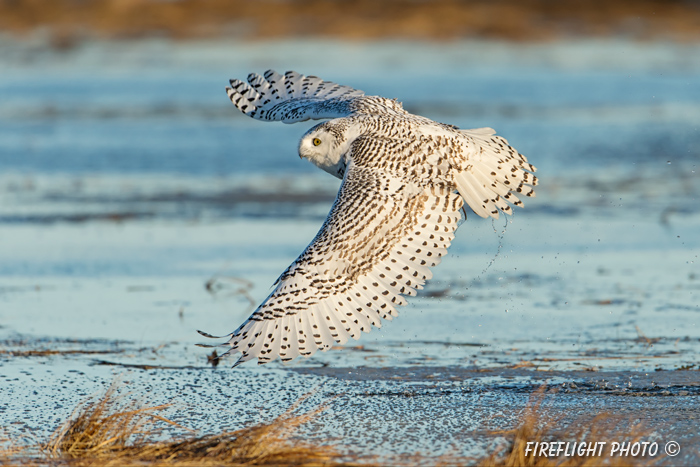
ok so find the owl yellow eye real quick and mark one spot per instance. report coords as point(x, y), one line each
point(316, 141)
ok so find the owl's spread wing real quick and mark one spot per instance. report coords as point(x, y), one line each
point(377, 245)
point(494, 175)
point(293, 97)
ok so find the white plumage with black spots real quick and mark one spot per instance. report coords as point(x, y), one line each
point(406, 181)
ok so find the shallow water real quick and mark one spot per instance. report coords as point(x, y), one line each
point(128, 183)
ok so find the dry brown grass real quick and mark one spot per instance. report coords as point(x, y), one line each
point(67, 20)
point(113, 432)
point(535, 427)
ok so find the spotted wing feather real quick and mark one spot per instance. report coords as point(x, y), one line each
point(293, 97)
point(494, 175)
point(290, 97)
point(376, 246)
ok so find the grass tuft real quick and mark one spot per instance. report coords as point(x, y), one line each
point(115, 432)
point(112, 431)
point(534, 426)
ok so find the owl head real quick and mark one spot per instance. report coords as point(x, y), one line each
point(325, 146)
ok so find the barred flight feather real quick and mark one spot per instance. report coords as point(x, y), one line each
point(406, 182)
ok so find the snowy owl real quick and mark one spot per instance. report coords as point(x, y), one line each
point(405, 179)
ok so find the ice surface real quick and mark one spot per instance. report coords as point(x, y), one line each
point(128, 182)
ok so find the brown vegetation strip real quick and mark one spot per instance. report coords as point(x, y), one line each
point(111, 431)
point(534, 428)
point(44, 353)
point(68, 20)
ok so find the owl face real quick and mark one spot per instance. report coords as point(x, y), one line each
point(321, 146)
